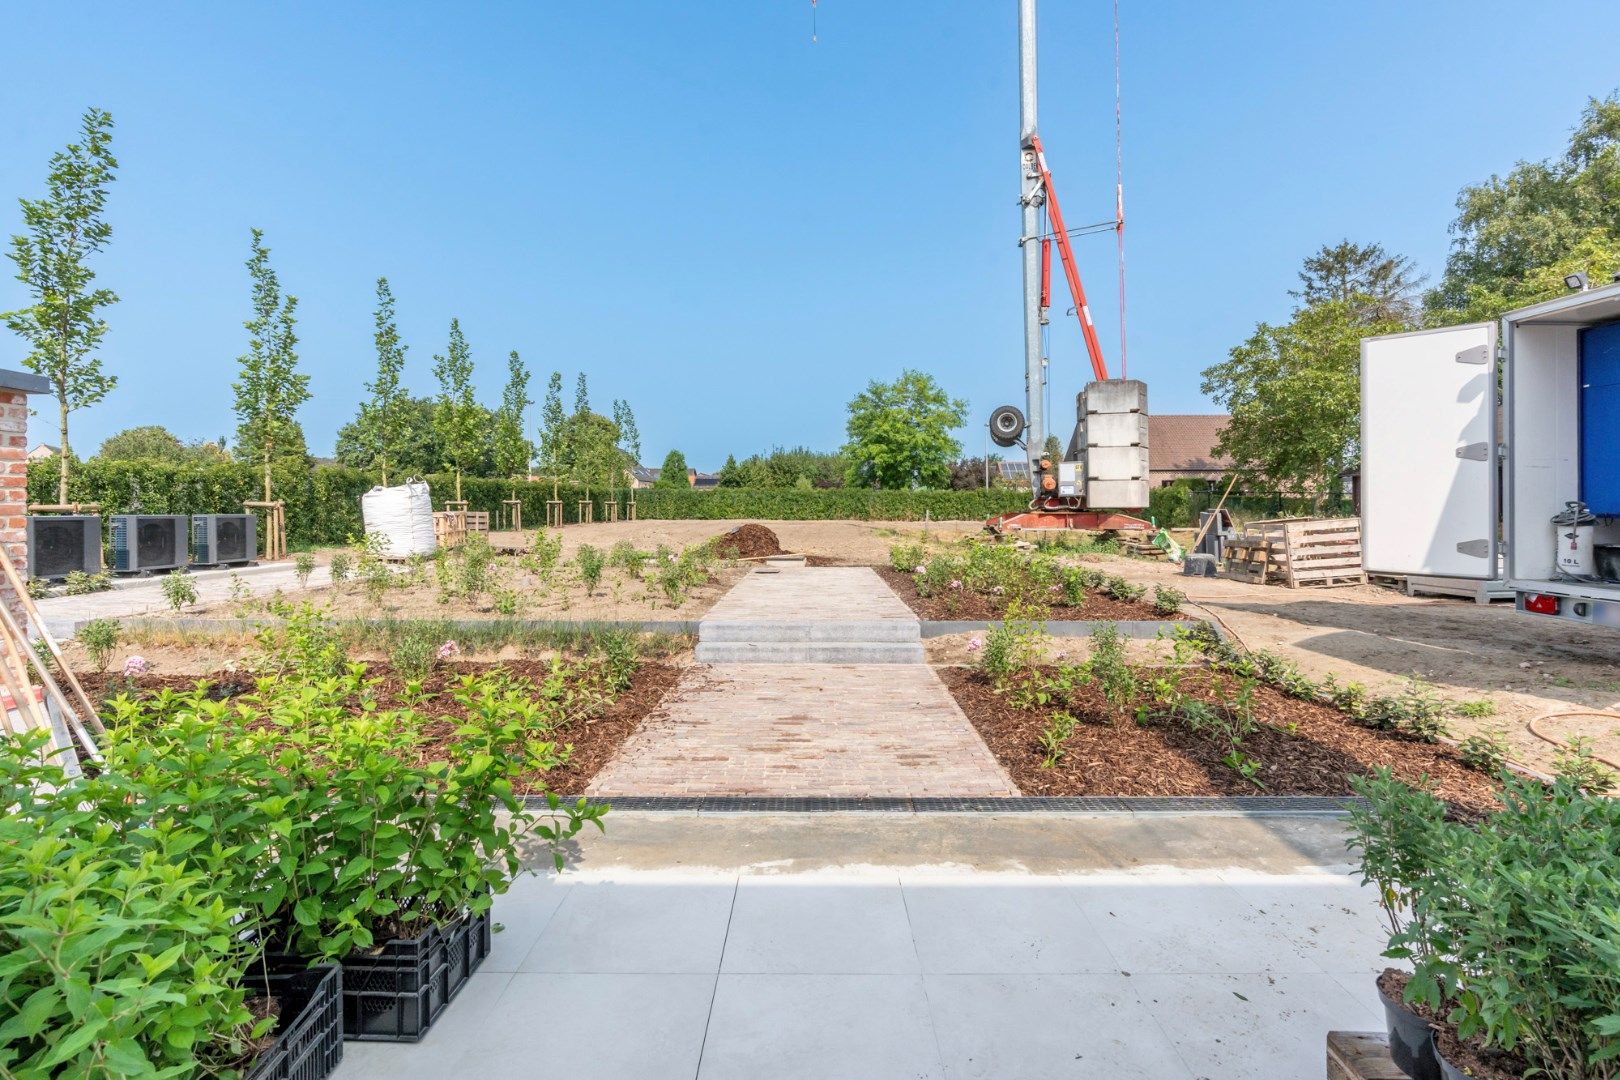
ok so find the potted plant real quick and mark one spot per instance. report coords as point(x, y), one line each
point(1399, 831)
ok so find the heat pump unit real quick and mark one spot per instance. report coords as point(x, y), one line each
point(219, 539)
point(61, 544)
point(143, 542)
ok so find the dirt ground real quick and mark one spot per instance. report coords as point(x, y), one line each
point(860, 542)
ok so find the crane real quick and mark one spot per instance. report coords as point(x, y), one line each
point(1066, 494)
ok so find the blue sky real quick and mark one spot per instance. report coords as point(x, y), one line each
point(729, 226)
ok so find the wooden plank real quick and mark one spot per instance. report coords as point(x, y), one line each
point(1360, 1055)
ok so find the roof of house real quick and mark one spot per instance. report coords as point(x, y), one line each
point(45, 447)
point(1181, 442)
point(643, 475)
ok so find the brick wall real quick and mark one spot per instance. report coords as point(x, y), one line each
point(13, 489)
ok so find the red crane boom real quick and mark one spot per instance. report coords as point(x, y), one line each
point(1071, 269)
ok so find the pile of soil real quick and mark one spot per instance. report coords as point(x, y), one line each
point(748, 542)
point(977, 607)
point(1303, 748)
point(593, 739)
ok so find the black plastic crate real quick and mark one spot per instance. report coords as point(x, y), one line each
point(309, 1030)
point(467, 944)
point(395, 994)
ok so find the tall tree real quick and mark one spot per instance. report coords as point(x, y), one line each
point(674, 472)
point(513, 450)
point(1381, 286)
point(456, 416)
point(1294, 394)
point(153, 442)
point(900, 433)
point(582, 397)
point(1517, 236)
point(387, 404)
point(553, 429)
point(62, 325)
point(416, 450)
point(629, 434)
point(269, 387)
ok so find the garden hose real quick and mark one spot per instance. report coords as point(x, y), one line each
point(1544, 737)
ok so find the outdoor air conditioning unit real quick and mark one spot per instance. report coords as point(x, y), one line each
point(219, 539)
point(142, 542)
point(60, 544)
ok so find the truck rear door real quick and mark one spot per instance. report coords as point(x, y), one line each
point(1428, 481)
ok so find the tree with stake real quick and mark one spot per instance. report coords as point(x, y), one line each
point(629, 436)
point(900, 434)
point(456, 420)
point(553, 431)
point(62, 325)
point(269, 387)
point(513, 450)
point(385, 409)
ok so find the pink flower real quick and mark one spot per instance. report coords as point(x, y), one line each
point(921, 569)
point(956, 584)
point(449, 651)
point(136, 665)
point(998, 590)
point(1054, 588)
point(975, 644)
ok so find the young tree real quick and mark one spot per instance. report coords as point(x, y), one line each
point(900, 433)
point(62, 325)
point(582, 397)
point(629, 435)
point(1382, 285)
point(269, 388)
point(731, 474)
point(457, 419)
point(387, 404)
point(554, 456)
point(673, 474)
point(153, 442)
point(513, 450)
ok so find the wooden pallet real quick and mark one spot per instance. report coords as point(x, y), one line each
point(1360, 1055)
point(450, 527)
point(1297, 552)
point(477, 521)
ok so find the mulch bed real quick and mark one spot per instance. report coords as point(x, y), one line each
point(748, 542)
point(594, 739)
point(1110, 754)
point(977, 607)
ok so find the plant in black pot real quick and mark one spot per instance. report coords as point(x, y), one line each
point(1400, 832)
point(1532, 924)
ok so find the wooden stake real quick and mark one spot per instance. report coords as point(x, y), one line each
point(17, 584)
point(1215, 513)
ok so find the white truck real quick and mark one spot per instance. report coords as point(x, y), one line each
point(1497, 459)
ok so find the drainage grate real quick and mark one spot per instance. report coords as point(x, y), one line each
point(1028, 804)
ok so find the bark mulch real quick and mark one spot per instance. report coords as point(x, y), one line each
point(594, 739)
point(1304, 748)
point(977, 607)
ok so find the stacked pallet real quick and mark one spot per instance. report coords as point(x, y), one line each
point(1298, 553)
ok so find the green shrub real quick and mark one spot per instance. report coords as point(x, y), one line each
point(79, 583)
point(620, 654)
point(508, 602)
point(1574, 762)
point(341, 567)
point(304, 641)
point(1014, 647)
point(1121, 589)
point(1417, 712)
point(1486, 751)
point(99, 637)
point(590, 562)
point(1109, 666)
point(624, 558)
point(1167, 601)
point(1476, 709)
point(547, 550)
point(1513, 925)
point(905, 558)
point(303, 567)
point(179, 590)
point(413, 650)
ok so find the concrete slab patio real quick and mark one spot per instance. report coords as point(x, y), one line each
point(856, 946)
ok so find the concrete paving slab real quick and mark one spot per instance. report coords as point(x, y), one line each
point(460, 1027)
point(63, 615)
point(816, 593)
point(635, 925)
point(812, 925)
point(1249, 1026)
point(805, 729)
point(820, 1027)
point(968, 926)
point(1049, 1027)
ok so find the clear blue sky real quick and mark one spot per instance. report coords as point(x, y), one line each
point(729, 226)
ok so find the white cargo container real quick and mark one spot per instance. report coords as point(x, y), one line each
point(1453, 486)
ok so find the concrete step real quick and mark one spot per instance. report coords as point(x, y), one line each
point(809, 652)
point(771, 630)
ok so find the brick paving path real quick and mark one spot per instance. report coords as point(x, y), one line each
point(797, 728)
point(806, 729)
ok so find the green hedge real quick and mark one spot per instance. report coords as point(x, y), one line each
point(323, 503)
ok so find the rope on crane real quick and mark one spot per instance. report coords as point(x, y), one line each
point(1119, 200)
point(813, 37)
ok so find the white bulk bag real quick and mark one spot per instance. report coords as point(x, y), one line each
point(402, 516)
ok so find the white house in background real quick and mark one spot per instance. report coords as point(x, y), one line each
point(42, 451)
